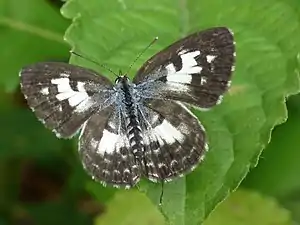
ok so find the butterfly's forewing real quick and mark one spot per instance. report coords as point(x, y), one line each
point(105, 150)
point(64, 96)
point(174, 140)
point(195, 70)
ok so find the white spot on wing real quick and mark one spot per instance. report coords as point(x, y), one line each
point(189, 66)
point(177, 86)
point(64, 95)
point(186, 79)
point(62, 84)
point(78, 99)
point(189, 63)
point(229, 83)
point(219, 100)
point(126, 170)
point(210, 58)
point(45, 91)
point(203, 80)
point(84, 105)
point(108, 142)
point(171, 68)
point(206, 147)
point(167, 132)
point(80, 86)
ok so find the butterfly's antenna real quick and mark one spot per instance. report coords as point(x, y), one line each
point(142, 52)
point(93, 61)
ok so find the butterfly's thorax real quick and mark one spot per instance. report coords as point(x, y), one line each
point(128, 103)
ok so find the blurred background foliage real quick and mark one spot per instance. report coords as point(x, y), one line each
point(41, 178)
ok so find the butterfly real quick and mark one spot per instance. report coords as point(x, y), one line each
point(142, 128)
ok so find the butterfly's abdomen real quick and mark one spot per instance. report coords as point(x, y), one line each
point(133, 128)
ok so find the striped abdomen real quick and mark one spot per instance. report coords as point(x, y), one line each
point(133, 128)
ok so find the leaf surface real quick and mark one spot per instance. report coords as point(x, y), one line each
point(115, 32)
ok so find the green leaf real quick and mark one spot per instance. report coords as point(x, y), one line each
point(277, 174)
point(266, 32)
point(101, 193)
point(31, 31)
point(130, 207)
point(248, 208)
point(292, 203)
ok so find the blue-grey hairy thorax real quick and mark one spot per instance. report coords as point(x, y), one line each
point(139, 128)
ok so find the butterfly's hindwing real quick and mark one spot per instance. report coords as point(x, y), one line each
point(174, 140)
point(105, 150)
point(64, 96)
point(195, 70)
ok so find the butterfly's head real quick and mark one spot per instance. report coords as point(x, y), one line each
point(122, 79)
